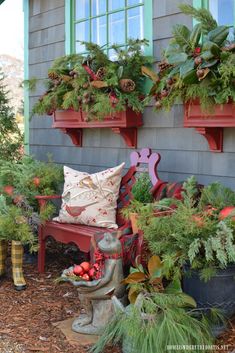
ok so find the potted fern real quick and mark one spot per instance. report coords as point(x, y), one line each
point(198, 69)
point(197, 243)
point(159, 316)
point(93, 91)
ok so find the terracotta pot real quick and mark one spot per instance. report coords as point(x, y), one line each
point(134, 219)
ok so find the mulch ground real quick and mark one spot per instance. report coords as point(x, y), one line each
point(27, 317)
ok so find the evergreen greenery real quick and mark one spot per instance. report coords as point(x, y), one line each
point(197, 64)
point(141, 195)
point(157, 316)
point(11, 138)
point(14, 224)
point(30, 178)
point(95, 84)
point(192, 234)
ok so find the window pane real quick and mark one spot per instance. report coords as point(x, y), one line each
point(82, 9)
point(98, 7)
point(82, 32)
point(116, 4)
point(222, 11)
point(134, 2)
point(99, 30)
point(135, 22)
point(112, 53)
point(117, 28)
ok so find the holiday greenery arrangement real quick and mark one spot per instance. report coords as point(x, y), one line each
point(95, 84)
point(141, 195)
point(196, 233)
point(198, 64)
point(17, 223)
point(24, 179)
point(11, 138)
point(159, 315)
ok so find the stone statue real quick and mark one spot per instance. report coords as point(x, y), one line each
point(95, 296)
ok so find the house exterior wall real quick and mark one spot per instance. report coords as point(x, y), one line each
point(183, 151)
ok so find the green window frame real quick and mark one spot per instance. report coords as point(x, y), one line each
point(205, 4)
point(70, 22)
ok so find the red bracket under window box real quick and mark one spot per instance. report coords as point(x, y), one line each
point(210, 125)
point(124, 123)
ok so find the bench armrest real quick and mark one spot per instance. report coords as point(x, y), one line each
point(42, 200)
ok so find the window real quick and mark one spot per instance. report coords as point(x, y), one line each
point(223, 11)
point(106, 22)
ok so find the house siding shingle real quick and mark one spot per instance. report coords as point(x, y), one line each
point(184, 152)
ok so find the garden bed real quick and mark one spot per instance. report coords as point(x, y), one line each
point(27, 317)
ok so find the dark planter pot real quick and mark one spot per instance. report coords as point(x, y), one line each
point(218, 292)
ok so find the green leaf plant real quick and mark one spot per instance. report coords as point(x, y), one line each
point(198, 64)
point(158, 317)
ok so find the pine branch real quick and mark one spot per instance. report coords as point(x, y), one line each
point(203, 16)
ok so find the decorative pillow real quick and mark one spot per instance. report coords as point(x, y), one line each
point(90, 199)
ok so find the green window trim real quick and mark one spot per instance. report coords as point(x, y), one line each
point(69, 25)
point(26, 74)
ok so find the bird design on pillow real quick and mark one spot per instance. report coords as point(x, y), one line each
point(76, 211)
point(87, 182)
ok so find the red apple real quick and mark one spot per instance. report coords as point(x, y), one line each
point(85, 266)
point(86, 277)
point(78, 270)
point(227, 212)
point(8, 189)
point(36, 181)
point(92, 272)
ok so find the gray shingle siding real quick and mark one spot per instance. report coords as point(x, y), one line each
point(184, 152)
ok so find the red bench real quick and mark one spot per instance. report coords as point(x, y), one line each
point(81, 235)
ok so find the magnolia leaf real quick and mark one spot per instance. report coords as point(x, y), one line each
point(174, 287)
point(149, 73)
point(208, 63)
point(186, 67)
point(190, 77)
point(181, 34)
point(219, 34)
point(209, 50)
point(195, 35)
point(135, 277)
point(154, 265)
point(173, 48)
point(177, 58)
point(132, 295)
point(99, 84)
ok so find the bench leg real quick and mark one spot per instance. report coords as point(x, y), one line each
point(41, 252)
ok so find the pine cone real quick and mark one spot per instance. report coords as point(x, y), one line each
point(163, 65)
point(127, 85)
point(100, 73)
point(53, 75)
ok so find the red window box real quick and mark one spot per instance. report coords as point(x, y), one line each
point(124, 123)
point(210, 125)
